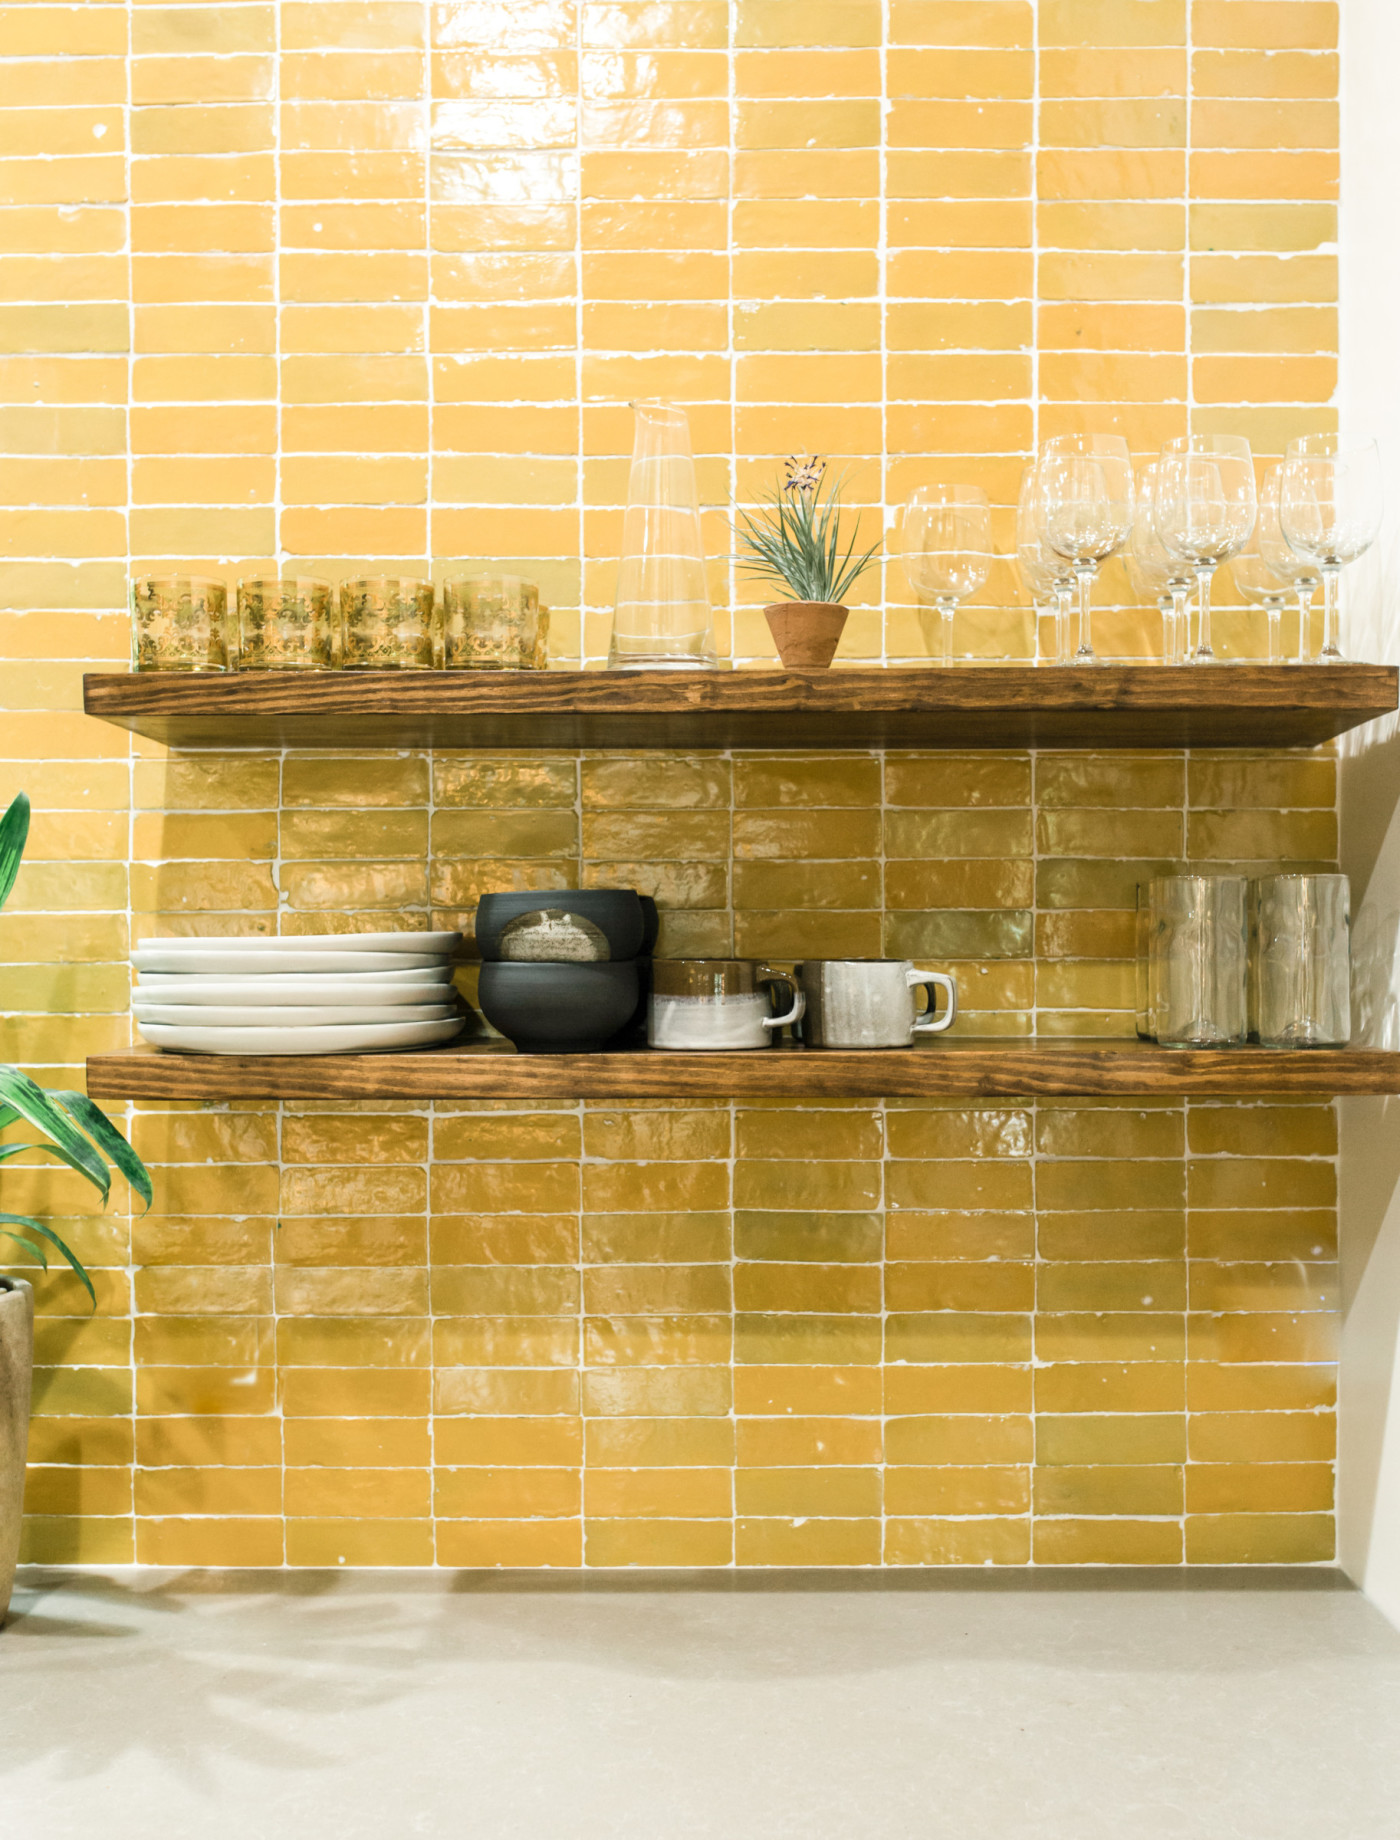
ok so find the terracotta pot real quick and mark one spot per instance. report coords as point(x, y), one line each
point(16, 1372)
point(806, 633)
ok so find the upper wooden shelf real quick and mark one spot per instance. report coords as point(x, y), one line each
point(966, 1068)
point(969, 706)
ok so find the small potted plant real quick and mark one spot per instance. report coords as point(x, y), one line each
point(797, 541)
point(80, 1134)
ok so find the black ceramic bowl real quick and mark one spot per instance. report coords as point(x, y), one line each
point(562, 925)
point(558, 1009)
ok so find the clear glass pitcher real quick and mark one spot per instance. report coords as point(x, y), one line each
point(662, 618)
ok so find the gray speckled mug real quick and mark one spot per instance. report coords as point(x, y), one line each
point(869, 1002)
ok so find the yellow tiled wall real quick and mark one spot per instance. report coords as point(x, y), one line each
point(332, 283)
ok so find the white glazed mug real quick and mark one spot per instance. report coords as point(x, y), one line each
point(869, 1002)
point(718, 1003)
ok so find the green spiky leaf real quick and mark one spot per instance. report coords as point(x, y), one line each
point(14, 830)
point(47, 1233)
point(109, 1140)
point(66, 1141)
point(797, 541)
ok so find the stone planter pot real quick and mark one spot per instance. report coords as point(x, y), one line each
point(16, 1372)
point(806, 633)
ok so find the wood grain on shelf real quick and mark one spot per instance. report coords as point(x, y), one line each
point(968, 1068)
point(971, 706)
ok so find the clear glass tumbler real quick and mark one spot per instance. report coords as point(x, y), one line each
point(178, 623)
point(490, 623)
point(387, 624)
point(662, 617)
point(286, 623)
point(1302, 963)
point(1198, 982)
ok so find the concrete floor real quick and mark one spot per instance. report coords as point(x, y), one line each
point(1013, 1706)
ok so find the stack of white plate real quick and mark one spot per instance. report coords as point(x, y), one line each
point(310, 993)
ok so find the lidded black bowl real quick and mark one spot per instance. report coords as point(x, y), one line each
point(565, 926)
point(558, 1009)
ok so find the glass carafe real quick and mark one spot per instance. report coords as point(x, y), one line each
point(662, 619)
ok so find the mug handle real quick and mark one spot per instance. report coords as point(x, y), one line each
point(799, 998)
point(933, 981)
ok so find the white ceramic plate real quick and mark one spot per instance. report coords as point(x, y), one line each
point(193, 1015)
point(320, 942)
point(234, 961)
point(369, 987)
point(327, 1040)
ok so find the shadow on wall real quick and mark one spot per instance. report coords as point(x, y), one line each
point(1369, 1409)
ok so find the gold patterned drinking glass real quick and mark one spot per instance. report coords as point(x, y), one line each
point(387, 623)
point(178, 623)
point(490, 623)
point(285, 623)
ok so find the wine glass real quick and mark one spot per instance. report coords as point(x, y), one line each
point(1257, 582)
point(1085, 485)
point(1157, 575)
point(1205, 506)
point(1330, 511)
point(1048, 580)
point(1303, 576)
point(947, 542)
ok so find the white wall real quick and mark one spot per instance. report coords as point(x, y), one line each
point(1369, 1458)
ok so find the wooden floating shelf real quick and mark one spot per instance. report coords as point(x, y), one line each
point(969, 706)
point(959, 1069)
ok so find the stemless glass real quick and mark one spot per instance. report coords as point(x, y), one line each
point(1256, 583)
point(1198, 961)
point(1303, 576)
point(1205, 508)
point(1330, 510)
point(947, 542)
point(1085, 483)
point(1303, 961)
point(490, 623)
point(178, 623)
point(1157, 575)
point(286, 623)
point(1048, 580)
point(388, 624)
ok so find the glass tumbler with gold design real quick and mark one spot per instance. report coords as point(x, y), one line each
point(490, 623)
point(285, 623)
point(179, 623)
point(388, 623)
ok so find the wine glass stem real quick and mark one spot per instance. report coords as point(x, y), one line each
point(1275, 611)
point(1332, 616)
point(946, 610)
point(1305, 601)
point(1180, 641)
point(1064, 623)
point(1085, 652)
point(1203, 652)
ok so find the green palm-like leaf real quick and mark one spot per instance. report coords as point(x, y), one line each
point(798, 542)
point(37, 1251)
point(68, 1143)
point(109, 1140)
point(14, 830)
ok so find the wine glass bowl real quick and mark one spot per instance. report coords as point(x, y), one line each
point(1204, 507)
point(1156, 574)
point(1084, 486)
point(1047, 578)
point(1330, 501)
point(1303, 576)
point(1258, 584)
point(947, 547)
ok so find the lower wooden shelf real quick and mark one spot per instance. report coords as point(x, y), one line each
point(966, 1068)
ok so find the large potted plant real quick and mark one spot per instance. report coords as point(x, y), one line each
point(81, 1135)
point(796, 541)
